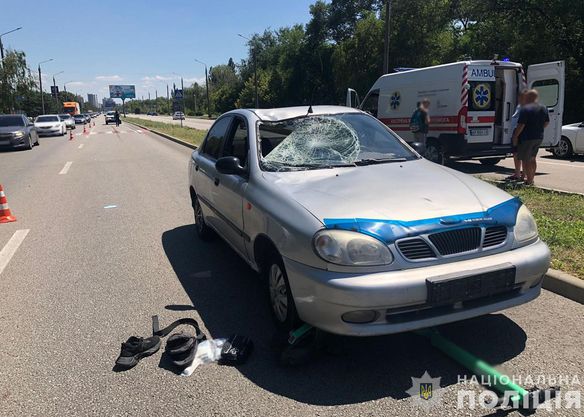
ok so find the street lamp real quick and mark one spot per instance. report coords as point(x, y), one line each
point(2, 46)
point(206, 86)
point(41, 83)
point(255, 67)
point(65, 85)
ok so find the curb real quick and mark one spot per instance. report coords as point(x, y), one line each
point(166, 136)
point(564, 284)
point(555, 190)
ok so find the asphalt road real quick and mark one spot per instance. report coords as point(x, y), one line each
point(558, 174)
point(202, 124)
point(111, 242)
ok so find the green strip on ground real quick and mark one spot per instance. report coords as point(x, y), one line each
point(560, 221)
point(188, 134)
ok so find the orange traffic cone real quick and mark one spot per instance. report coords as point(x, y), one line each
point(5, 214)
point(70, 135)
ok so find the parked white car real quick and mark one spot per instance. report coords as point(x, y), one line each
point(178, 115)
point(571, 142)
point(50, 124)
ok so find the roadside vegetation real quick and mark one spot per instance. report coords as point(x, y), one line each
point(188, 134)
point(560, 221)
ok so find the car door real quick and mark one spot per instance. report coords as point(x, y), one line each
point(228, 190)
point(579, 139)
point(548, 79)
point(205, 172)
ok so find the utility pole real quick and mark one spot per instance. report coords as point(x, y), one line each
point(41, 84)
point(255, 68)
point(167, 97)
point(182, 87)
point(207, 87)
point(156, 101)
point(2, 56)
point(55, 90)
point(386, 38)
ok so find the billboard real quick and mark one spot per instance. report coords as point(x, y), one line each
point(122, 91)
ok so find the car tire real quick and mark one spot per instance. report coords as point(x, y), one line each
point(280, 296)
point(563, 149)
point(29, 145)
point(434, 152)
point(490, 161)
point(203, 231)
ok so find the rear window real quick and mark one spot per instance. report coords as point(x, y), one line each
point(47, 119)
point(549, 91)
point(65, 116)
point(11, 121)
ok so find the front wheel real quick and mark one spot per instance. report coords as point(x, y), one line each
point(564, 148)
point(203, 231)
point(279, 293)
point(29, 145)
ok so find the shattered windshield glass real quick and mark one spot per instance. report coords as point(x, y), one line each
point(314, 142)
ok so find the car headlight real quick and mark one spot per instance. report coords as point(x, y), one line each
point(343, 247)
point(525, 227)
point(18, 134)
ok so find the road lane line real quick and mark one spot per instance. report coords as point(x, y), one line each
point(81, 146)
point(66, 168)
point(10, 248)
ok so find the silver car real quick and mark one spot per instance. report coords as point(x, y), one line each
point(354, 232)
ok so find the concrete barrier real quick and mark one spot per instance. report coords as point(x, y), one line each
point(165, 135)
point(564, 284)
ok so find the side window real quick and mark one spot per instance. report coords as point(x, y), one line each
point(549, 91)
point(237, 144)
point(371, 103)
point(216, 137)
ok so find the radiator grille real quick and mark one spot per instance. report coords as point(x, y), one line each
point(415, 249)
point(456, 241)
point(494, 236)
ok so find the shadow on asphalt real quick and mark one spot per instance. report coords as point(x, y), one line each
point(231, 299)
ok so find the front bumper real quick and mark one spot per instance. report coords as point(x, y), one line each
point(13, 143)
point(400, 297)
point(49, 132)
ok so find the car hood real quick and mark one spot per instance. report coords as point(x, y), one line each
point(10, 129)
point(46, 124)
point(399, 192)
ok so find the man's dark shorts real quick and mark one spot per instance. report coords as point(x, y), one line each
point(527, 149)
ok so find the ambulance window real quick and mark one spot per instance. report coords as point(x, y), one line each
point(549, 91)
point(371, 103)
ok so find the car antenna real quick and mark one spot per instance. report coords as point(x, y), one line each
point(310, 111)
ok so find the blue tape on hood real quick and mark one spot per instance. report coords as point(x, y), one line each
point(389, 231)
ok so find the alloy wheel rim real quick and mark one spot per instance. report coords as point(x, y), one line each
point(278, 293)
point(562, 148)
point(432, 153)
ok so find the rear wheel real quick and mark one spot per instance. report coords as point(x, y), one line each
point(564, 148)
point(434, 152)
point(279, 293)
point(490, 161)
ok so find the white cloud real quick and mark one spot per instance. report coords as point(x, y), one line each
point(156, 78)
point(109, 78)
point(76, 83)
point(198, 80)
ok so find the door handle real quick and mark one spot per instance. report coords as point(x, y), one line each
point(196, 167)
point(551, 111)
point(217, 181)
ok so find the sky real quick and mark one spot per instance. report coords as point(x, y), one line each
point(148, 43)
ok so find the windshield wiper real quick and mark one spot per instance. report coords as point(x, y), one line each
point(373, 161)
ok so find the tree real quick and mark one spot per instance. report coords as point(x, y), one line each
point(16, 81)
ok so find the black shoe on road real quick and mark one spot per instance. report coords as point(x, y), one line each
point(136, 348)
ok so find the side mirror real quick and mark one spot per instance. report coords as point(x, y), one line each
point(230, 165)
point(418, 147)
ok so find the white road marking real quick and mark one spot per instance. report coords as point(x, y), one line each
point(539, 161)
point(81, 146)
point(93, 133)
point(66, 168)
point(10, 248)
point(138, 131)
point(110, 206)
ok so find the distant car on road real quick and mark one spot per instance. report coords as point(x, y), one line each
point(110, 117)
point(79, 119)
point(571, 142)
point(17, 131)
point(50, 124)
point(69, 121)
point(178, 115)
point(356, 233)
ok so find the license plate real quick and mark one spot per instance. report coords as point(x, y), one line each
point(450, 290)
point(479, 132)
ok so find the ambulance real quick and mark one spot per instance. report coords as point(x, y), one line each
point(471, 104)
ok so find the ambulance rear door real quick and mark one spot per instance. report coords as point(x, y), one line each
point(549, 79)
point(481, 104)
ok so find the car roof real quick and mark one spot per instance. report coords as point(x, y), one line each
point(284, 113)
